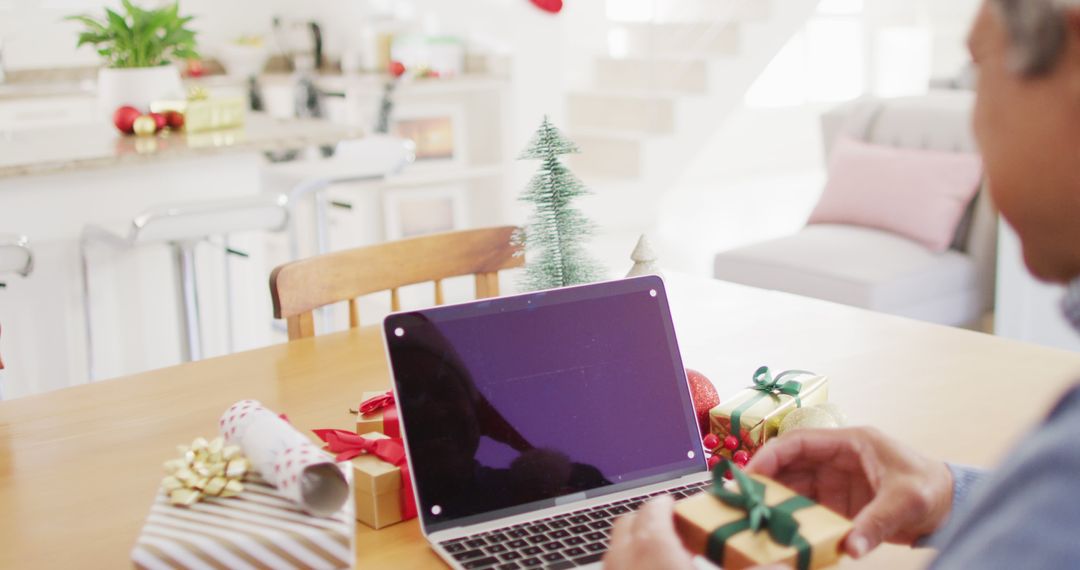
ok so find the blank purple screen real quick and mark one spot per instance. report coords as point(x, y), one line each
point(510, 402)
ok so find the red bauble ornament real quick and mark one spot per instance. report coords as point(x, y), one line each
point(705, 398)
point(711, 442)
point(731, 443)
point(159, 120)
point(124, 119)
point(553, 6)
point(713, 461)
point(397, 69)
point(174, 119)
point(741, 458)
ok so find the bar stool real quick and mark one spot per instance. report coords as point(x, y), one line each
point(182, 227)
point(16, 258)
point(371, 158)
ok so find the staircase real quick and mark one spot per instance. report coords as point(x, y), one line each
point(669, 86)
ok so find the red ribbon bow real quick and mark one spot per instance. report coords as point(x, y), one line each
point(383, 403)
point(347, 445)
point(377, 403)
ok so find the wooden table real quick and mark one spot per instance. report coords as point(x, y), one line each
point(79, 467)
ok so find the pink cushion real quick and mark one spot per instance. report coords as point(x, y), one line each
point(917, 194)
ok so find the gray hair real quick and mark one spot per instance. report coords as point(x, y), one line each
point(1038, 30)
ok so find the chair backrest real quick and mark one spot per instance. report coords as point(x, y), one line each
point(300, 287)
point(940, 120)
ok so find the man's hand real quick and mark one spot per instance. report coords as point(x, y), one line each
point(891, 493)
point(647, 540)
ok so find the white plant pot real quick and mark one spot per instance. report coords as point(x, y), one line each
point(138, 87)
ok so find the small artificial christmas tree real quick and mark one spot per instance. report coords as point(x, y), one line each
point(555, 231)
point(644, 257)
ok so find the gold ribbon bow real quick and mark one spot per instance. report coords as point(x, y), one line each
point(204, 469)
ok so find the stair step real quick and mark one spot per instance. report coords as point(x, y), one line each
point(607, 156)
point(699, 11)
point(635, 113)
point(679, 75)
point(699, 39)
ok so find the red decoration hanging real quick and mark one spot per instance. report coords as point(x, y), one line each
point(552, 6)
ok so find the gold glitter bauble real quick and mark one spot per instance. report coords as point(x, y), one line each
point(144, 126)
point(807, 418)
point(834, 411)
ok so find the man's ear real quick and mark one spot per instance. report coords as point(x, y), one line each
point(1071, 57)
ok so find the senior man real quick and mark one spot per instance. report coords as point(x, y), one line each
point(1026, 514)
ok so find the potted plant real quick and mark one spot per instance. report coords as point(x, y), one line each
point(137, 48)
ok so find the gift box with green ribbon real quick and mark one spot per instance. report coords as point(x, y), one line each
point(754, 414)
point(753, 521)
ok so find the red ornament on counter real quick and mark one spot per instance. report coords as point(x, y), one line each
point(741, 458)
point(396, 69)
point(552, 6)
point(731, 443)
point(124, 119)
point(705, 398)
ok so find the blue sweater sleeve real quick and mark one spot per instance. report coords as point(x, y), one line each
point(1027, 513)
point(964, 480)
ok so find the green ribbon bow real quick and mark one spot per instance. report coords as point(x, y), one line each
point(778, 519)
point(766, 385)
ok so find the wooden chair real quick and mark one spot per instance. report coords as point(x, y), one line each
point(300, 287)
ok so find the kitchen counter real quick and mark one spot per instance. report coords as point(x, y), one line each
point(65, 149)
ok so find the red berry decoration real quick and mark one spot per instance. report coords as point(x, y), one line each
point(731, 443)
point(705, 398)
point(711, 442)
point(174, 119)
point(124, 119)
point(713, 461)
point(397, 69)
point(159, 120)
point(741, 458)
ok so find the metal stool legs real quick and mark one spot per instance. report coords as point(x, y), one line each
point(187, 293)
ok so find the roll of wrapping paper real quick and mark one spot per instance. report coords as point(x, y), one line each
point(286, 458)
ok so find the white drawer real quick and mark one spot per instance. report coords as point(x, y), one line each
point(26, 114)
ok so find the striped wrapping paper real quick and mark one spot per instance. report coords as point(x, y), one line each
point(258, 529)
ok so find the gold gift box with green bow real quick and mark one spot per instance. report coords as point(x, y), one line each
point(757, 411)
point(753, 521)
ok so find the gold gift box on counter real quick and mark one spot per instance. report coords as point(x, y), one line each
point(699, 516)
point(206, 114)
point(377, 488)
point(762, 411)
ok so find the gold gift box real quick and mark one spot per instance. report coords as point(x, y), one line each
point(698, 516)
point(206, 114)
point(377, 489)
point(761, 420)
point(373, 422)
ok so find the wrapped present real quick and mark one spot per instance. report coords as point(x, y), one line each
point(382, 484)
point(755, 521)
point(753, 415)
point(285, 457)
point(259, 528)
point(378, 413)
point(290, 510)
point(204, 113)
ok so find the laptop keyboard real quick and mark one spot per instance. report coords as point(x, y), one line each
point(564, 541)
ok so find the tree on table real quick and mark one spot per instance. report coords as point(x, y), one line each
point(556, 230)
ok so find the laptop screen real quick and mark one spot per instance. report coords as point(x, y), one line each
point(514, 404)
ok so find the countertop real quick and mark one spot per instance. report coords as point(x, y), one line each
point(66, 149)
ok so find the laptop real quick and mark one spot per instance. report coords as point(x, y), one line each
point(532, 422)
